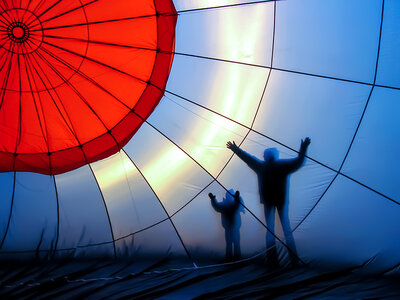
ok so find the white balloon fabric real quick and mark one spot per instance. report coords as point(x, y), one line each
point(264, 74)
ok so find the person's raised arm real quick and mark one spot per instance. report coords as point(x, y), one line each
point(249, 159)
point(214, 203)
point(292, 165)
point(236, 198)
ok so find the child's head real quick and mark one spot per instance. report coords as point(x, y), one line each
point(229, 196)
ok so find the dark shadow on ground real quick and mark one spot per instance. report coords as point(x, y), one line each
point(245, 279)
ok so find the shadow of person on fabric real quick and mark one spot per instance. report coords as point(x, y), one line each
point(230, 209)
point(273, 176)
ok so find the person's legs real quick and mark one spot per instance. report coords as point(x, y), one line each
point(270, 220)
point(236, 244)
point(229, 241)
point(283, 212)
point(272, 252)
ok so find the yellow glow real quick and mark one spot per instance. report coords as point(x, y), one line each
point(238, 99)
point(113, 170)
point(164, 170)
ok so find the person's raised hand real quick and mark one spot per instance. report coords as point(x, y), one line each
point(237, 195)
point(212, 196)
point(231, 145)
point(306, 142)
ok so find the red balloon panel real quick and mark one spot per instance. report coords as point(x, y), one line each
point(78, 78)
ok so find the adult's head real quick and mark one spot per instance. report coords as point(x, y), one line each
point(271, 154)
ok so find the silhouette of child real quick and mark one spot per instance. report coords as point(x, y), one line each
point(229, 208)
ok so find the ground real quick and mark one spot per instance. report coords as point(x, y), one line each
point(140, 280)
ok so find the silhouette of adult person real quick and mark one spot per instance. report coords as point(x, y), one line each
point(229, 208)
point(272, 176)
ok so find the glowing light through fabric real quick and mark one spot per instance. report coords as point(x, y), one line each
point(78, 78)
point(262, 73)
